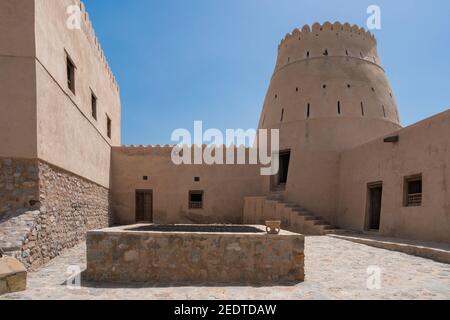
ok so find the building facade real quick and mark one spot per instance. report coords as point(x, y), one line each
point(345, 160)
point(59, 119)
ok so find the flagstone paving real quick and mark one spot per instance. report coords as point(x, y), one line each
point(335, 269)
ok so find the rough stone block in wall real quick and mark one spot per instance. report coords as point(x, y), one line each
point(19, 186)
point(70, 206)
point(13, 276)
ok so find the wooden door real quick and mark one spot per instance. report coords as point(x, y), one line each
point(144, 206)
point(375, 198)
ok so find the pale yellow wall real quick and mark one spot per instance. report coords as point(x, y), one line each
point(224, 186)
point(17, 79)
point(68, 135)
point(424, 149)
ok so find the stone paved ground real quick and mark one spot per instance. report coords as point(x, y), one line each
point(335, 269)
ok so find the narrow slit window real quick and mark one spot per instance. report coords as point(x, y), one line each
point(384, 111)
point(108, 126)
point(70, 75)
point(325, 53)
point(307, 54)
point(282, 115)
point(94, 105)
point(346, 53)
point(339, 107)
point(308, 111)
point(362, 109)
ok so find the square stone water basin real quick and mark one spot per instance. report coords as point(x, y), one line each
point(194, 254)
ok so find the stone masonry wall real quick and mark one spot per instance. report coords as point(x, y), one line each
point(68, 207)
point(170, 258)
point(19, 189)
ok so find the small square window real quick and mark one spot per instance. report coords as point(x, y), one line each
point(94, 105)
point(108, 127)
point(145, 178)
point(413, 191)
point(197, 179)
point(70, 75)
point(195, 199)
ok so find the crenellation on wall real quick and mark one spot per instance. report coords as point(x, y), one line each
point(169, 149)
point(328, 40)
point(90, 33)
point(318, 29)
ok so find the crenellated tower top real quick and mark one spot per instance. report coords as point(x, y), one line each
point(334, 40)
point(337, 28)
point(329, 89)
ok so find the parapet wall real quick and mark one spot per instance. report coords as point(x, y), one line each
point(333, 40)
point(90, 33)
point(167, 150)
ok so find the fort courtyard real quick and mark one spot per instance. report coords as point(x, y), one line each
point(335, 269)
point(331, 197)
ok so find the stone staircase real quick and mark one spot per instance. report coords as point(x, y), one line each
point(293, 217)
point(14, 230)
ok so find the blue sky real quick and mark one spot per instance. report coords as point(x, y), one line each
point(178, 61)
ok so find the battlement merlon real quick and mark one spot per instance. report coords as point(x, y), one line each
point(91, 35)
point(336, 27)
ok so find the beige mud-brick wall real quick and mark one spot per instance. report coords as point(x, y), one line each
point(39, 116)
point(423, 148)
point(17, 79)
point(320, 66)
point(224, 186)
point(42, 120)
point(68, 135)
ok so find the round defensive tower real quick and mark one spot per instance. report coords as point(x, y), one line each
point(328, 93)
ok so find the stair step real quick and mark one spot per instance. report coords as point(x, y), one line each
point(312, 218)
point(304, 215)
point(315, 225)
point(322, 223)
